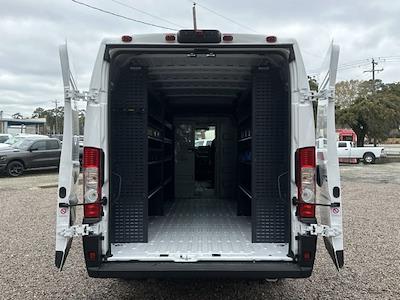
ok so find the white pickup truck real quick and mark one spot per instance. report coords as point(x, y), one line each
point(347, 150)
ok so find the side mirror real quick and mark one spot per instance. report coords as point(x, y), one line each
point(33, 149)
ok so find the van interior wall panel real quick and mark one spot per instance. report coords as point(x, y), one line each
point(227, 157)
point(270, 161)
point(128, 158)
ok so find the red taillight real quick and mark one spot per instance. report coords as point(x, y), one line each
point(271, 39)
point(92, 182)
point(91, 157)
point(126, 38)
point(305, 180)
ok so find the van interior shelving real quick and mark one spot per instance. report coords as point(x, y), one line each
point(159, 211)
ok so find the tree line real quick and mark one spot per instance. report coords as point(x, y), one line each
point(373, 113)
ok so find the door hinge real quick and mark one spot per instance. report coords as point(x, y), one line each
point(77, 230)
point(87, 96)
point(322, 230)
point(308, 96)
point(328, 94)
point(314, 96)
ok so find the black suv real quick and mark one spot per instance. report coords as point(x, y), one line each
point(30, 154)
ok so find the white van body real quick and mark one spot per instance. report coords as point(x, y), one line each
point(145, 213)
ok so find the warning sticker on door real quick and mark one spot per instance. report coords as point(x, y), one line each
point(335, 210)
point(63, 211)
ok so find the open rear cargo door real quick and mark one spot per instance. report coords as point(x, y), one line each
point(327, 160)
point(69, 165)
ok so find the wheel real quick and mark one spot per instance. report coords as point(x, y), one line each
point(15, 169)
point(369, 158)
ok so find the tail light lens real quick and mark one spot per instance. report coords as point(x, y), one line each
point(92, 182)
point(305, 179)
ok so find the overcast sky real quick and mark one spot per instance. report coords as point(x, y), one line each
point(31, 31)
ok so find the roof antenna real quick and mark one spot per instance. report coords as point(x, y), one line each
point(194, 17)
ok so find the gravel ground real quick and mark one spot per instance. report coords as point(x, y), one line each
point(372, 257)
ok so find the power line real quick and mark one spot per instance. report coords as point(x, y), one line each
point(121, 16)
point(347, 66)
point(355, 62)
point(222, 16)
point(389, 57)
point(145, 13)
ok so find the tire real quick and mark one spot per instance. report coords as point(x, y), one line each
point(369, 158)
point(15, 169)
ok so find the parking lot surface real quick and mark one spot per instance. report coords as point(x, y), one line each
point(371, 197)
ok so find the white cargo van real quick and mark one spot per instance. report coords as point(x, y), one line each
point(253, 213)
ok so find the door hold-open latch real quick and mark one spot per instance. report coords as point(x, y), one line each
point(77, 230)
point(334, 204)
point(322, 230)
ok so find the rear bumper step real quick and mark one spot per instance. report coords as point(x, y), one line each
point(244, 270)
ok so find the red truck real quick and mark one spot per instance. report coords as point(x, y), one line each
point(347, 135)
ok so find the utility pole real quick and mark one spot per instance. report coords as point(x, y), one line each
point(373, 70)
point(56, 114)
point(1, 122)
point(194, 16)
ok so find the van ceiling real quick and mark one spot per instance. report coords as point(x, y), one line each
point(201, 79)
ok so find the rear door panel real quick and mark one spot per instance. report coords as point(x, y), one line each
point(69, 165)
point(327, 159)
